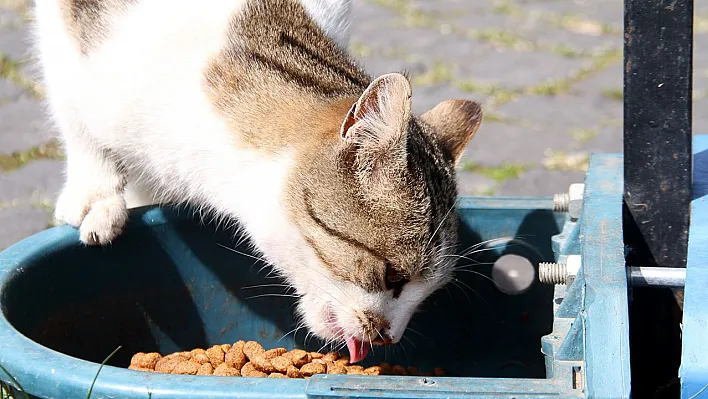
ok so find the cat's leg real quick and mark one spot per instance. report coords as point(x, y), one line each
point(92, 197)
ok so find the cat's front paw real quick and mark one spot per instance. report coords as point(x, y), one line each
point(100, 219)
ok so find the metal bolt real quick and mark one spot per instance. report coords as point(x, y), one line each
point(571, 202)
point(561, 202)
point(559, 273)
point(638, 276)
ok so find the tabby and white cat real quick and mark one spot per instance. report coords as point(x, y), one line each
point(254, 111)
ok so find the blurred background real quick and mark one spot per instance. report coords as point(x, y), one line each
point(548, 72)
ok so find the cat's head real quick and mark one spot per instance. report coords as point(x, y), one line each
point(377, 213)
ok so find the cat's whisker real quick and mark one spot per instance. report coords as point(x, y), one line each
point(405, 352)
point(447, 289)
point(480, 250)
point(442, 221)
point(473, 291)
point(477, 273)
point(493, 242)
point(327, 342)
point(417, 332)
point(455, 282)
point(243, 237)
point(328, 279)
point(456, 256)
point(242, 253)
point(293, 331)
point(274, 295)
point(248, 287)
point(308, 336)
point(344, 309)
point(409, 341)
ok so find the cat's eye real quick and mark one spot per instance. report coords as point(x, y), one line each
point(394, 278)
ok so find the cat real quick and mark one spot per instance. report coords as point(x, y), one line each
point(253, 110)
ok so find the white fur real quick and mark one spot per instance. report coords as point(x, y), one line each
point(138, 99)
point(333, 17)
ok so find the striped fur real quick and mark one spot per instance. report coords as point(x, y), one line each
point(253, 110)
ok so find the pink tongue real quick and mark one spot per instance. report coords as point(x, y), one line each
point(357, 350)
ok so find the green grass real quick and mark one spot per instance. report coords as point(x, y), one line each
point(614, 94)
point(4, 387)
point(502, 38)
point(498, 94)
point(10, 70)
point(612, 122)
point(500, 173)
point(494, 117)
point(562, 161)
point(360, 49)
point(584, 135)
point(555, 87)
point(440, 72)
point(16, 5)
point(566, 51)
point(4, 391)
point(572, 23)
point(581, 25)
point(412, 17)
point(15, 160)
point(700, 23)
point(88, 396)
point(487, 192)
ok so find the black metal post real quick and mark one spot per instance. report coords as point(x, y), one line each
point(658, 62)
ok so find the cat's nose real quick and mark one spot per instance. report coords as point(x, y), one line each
point(383, 339)
point(377, 327)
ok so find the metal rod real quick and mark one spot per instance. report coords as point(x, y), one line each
point(665, 277)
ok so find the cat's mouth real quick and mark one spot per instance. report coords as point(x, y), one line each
point(358, 349)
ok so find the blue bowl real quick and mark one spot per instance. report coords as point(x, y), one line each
point(166, 285)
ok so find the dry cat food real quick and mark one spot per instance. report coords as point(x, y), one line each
point(250, 359)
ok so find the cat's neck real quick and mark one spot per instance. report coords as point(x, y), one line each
point(281, 81)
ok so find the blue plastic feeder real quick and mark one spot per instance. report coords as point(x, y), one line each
point(167, 285)
point(588, 326)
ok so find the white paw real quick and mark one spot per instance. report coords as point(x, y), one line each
point(104, 221)
point(99, 219)
point(71, 207)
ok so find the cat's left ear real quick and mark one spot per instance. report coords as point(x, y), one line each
point(382, 112)
point(376, 129)
point(454, 123)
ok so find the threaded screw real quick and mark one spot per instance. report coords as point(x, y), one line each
point(561, 272)
point(561, 202)
point(552, 273)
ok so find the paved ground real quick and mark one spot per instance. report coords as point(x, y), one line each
point(548, 72)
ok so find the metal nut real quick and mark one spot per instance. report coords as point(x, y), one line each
point(575, 203)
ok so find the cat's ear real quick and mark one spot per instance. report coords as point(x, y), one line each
point(376, 127)
point(454, 123)
point(382, 110)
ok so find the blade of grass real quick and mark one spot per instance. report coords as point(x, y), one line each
point(4, 370)
point(99, 370)
point(4, 391)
